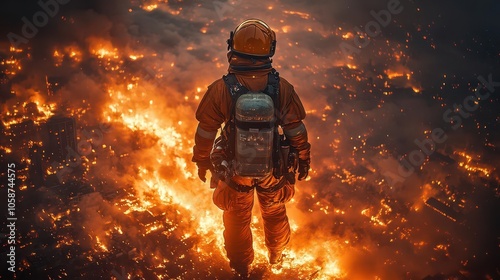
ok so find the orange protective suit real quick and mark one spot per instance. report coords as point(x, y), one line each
point(214, 110)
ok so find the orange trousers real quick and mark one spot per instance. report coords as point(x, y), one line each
point(237, 217)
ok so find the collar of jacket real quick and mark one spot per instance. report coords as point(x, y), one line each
point(243, 65)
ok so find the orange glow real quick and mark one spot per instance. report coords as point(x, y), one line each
point(393, 74)
point(150, 8)
point(296, 13)
point(348, 35)
point(470, 165)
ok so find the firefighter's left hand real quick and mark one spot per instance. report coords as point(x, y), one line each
point(304, 165)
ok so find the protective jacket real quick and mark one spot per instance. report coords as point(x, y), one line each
point(215, 110)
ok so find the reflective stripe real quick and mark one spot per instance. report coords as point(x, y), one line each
point(206, 134)
point(295, 131)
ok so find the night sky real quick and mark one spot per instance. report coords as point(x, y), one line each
point(130, 74)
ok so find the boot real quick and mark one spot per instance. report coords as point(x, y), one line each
point(275, 257)
point(241, 272)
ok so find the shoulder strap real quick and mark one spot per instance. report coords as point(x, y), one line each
point(273, 89)
point(236, 89)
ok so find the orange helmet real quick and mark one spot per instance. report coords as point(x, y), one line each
point(253, 37)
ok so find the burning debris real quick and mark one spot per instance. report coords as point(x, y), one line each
point(100, 124)
point(442, 208)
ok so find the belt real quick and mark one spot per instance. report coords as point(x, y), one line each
point(274, 188)
point(238, 187)
point(247, 189)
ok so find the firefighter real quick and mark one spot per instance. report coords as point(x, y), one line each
point(241, 167)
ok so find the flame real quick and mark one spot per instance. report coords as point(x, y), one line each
point(42, 113)
point(101, 245)
point(47, 110)
point(136, 56)
point(427, 191)
point(103, 52)
point(348, 35)
point(391, 74)
point(72, 52)
point(296, 13)
point(470, 165)
point(102, 49)
point(151, 7)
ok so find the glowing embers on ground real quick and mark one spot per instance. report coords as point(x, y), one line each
point(316, 262)
point(151, 185)
point(138, 114)
point(36, 110)
point(69, 53)
point(401, 76)
point(471, 164)
point(106, 53)
point(382, 217)
point(297, 13)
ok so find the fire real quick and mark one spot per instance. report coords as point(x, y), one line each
point(6, 149)
point(103, 49)
point(46, 110)
point(347, 35)
point(103, 52)
point(427, 191)
point(136, 56)
point(394, 74)
point(72, 52)
point(150, 8)
point(100, 244)
point(296, 13)
point(470, 164)
point(34, 109)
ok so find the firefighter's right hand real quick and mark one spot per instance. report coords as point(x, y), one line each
point(203, 166)
point(304, 165)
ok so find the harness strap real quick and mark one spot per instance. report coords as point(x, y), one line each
point(272, 90)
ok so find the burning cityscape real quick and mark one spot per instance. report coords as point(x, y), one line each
point(97, 124)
